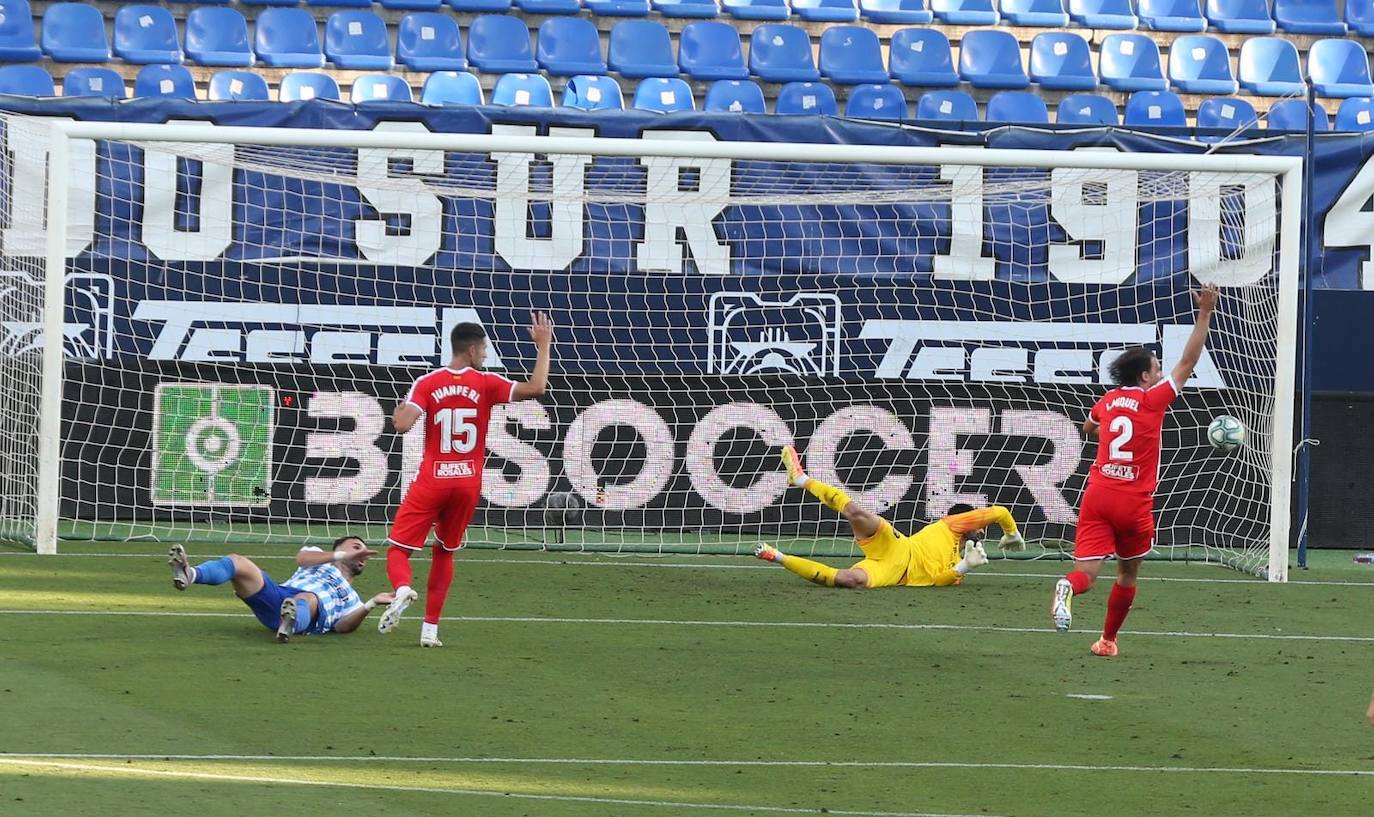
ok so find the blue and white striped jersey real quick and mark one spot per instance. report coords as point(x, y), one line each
point(337, 597)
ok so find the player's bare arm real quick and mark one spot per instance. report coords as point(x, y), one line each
point(349, 551)
point(1090, 427)
point(1192, 351)
point(405, 416)
point(541, 331)
point(355, 618)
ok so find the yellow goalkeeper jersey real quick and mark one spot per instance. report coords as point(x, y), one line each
point(926, 558)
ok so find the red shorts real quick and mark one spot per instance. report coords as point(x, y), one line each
point(1114, 522)
point(446, 507)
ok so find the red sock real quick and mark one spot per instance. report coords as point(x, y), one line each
point(440, 577)
point(398, 566)
point(1118, 606)
point(1081, 582)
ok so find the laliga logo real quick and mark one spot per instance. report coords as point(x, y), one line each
point(751, 335)
point(89, 299)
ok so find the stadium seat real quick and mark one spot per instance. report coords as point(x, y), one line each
point(1308, 17)
point(412, 5)
point(1155, 109)
point(757, 9)
point(1226, 113)
point(302, 86)
point(1171, 15)
point(895, 12)
point(146, 34)
point(287, 38)
point(26, 80)
point(780, 53)
point(216, 35)
point(921, 57)
point(358, 41)
point(664, 95)
point(1022, 107)
point(173, 81)
point(618, 8)
point(851, 55)
point(1035, 13)
point(238, 86)
point(643, 48)
point(500, 44)
point(549, 6)
point(1291, 115)
point(480, 6)
point(101, 82)
point(72, 32)
point(1061, 61)
point(520, 90)
point(1359, 17)
point(991, 58)
point(379, 88)
point(1241, 16)
point(826, 11)
point(1130, 62)
point(711, 50)
point(734, 96)
point(947, 106)
point(452, 88)
point(1086, 109)
point(340, 3)
point(1200, 64)
point(805, 99)
point(877, 101)
point(430, 41)
point(1356, 114)
point(1103, 13)
point(569, 46)
point(268, 2)
point(964, 12)
point(17, 41)
point(1269, 66)
point(593, 93)
point(1339, 68)
point(692, 9)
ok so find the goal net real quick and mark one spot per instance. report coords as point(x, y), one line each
point(243, 312)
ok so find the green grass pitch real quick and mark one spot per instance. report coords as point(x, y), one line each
point(589, 685)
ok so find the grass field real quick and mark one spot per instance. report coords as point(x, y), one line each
point(587, 686)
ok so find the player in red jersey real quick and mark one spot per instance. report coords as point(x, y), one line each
point(455, 403)
point(1117, 513)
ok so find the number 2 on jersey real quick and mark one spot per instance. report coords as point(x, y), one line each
point(1122, 428)
point(456, 433)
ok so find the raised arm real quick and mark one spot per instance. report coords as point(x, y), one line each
point(541, 330)
point(1192, 351)
point(311, 557)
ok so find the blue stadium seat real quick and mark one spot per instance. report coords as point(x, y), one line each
point(964, 12)
point(173, 81)
point(358, 41)
point(734, 96)
point(1171, 15)
point(895, 12)
point(72, 32)
point(430, 41)
point(302, 86)
point(1339, 68)
point(805, 99)
point(1035, 13)
point(1130, 62)
point(851, 55)
point(921, 57)
point(17, 42)
point(664, 95)
point(780, 53)
point(238, 86)
point(1269, 66)
point(991, 58)
point(1308, 17)
point(287, 38)
point(877, 101)
point(1241, 16)
point(1291, 115)
point(1356, 114)
point(1062, 61)
point(1103, 13)
point(412, 5)
point(1359, 16)
point(569, 46)
point(452, 88)
point(25, 80)
point(216, 35)
point(500, 44)
point(1086, 109)
point(99, 82)
point(549, 6)
point(1226, 113)
point(946, 106)
point(708, 49)
point(340, 3)
point(521, 90)
point(826, 11)
point(593, 93)
point(1021, 107)
point(642, 48)
point(618, 8)
point(145, 35)
point(757, 9)
point(692, 9)
point(1155, 109)
point(1200, 64)
point(379, 88)
point(268, 2)
point(480, 6)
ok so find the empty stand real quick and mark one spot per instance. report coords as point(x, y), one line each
point(1171, 15)
point(1241, 16)
point(498, 44)
point(947, 106)
point(664, 95)
point(1226, 113)
point(17, 41)
point(72, 32)
point(1035, 13)
point(357, 40)
point(238, 86)
point(1061, 61)
point(711, 50)
point(1155, 109)
point(303, 86)
point(379, 88)
point(145, 35)
point(991, 58)
point(895, 12)
point(1199, 64)
point(218, 36)
point(921, 57)
point(964, 12)
point(287, 38)
point(781, 53)
point(1021, 107)
point(1269, 66)
point(93, 81)
point(643, 48)
point(569, 46)
point(1130, 62)
point(806, 98)
point(593, 93)
point(1339, 68)
point(1086, 109)
point(1291, 115)
point(451, 88)
point(173, 81)
point(757, 9)
point(851, 55)
point(734, 96)
point(1356, 114)
point(1308, 16)
point(26, 80)
point(522, 90)
point(1103, 13)
point(430, 41)
point(876, 101)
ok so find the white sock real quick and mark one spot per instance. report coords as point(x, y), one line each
point(428, 631)
point(800, 481)
point(403, 590)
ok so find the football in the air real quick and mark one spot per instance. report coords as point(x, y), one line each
point(1226, 433)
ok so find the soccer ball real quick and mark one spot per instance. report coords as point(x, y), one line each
point(1226, 433)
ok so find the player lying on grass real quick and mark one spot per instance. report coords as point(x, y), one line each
point(938, 555)
point(318, 598)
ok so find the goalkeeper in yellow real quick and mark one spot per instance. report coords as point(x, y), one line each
point(936, 556)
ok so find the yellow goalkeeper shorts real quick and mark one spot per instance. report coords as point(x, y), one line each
point(886, 556)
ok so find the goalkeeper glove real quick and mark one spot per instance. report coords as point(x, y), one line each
point(974, 556)
point(1012, 541)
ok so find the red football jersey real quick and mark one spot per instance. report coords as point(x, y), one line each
point(1130, 420)
point(457, 406)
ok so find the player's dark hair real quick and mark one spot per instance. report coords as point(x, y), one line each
point(958, 508)
point(343, 539)
point(465, 334)
point(1128, 367)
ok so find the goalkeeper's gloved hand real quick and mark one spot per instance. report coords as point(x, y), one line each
point(1012, 541)
point(974, 555)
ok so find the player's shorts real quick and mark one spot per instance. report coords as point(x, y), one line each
point(1114, 522)
point(886, 557)
point(447, 508)
point(266, 603)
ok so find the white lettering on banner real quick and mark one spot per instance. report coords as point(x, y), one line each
point(686, 195)
point(1245, 221)
point(519, 182)
point(767, 488)
point(1044, 480)
point(655, 471)
point(822, 452)
point(215, 215)
point(533, 481)
point(948, 462)
point(965, 260)
point(1350, 221)
point(1088, 204)
point(358, 445)
point(26, 142)
point(399, 195)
